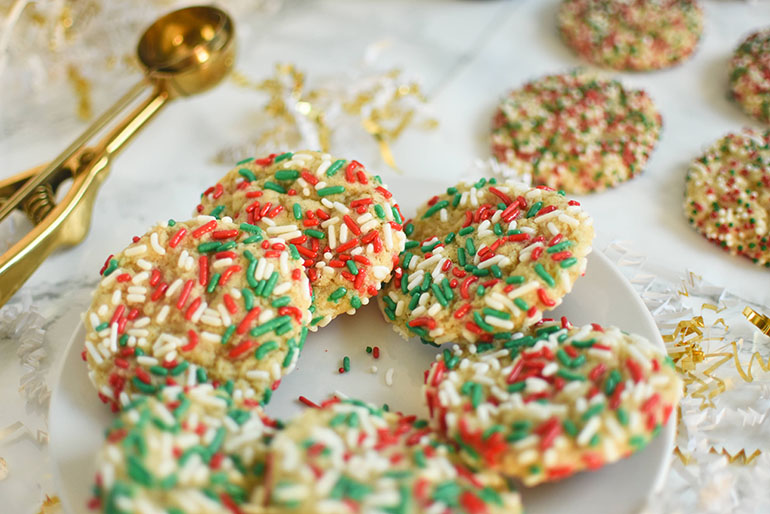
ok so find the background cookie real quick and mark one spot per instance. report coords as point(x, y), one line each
point(343, 221)
point(750, 75)
point(727, 197)
point(543, 405)
point(197, 301)
point(509, 253)
point(576, 131)
point(184, 450)
point(631, 35)
point(352, 457)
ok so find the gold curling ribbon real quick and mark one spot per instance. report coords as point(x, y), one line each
point(760, 321)
point(51, 505)
point(746, 375)
point(739, 458)
point(385, 122)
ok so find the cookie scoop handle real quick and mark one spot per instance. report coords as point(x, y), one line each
point(67, 222)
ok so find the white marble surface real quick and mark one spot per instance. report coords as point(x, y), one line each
point(466, 54)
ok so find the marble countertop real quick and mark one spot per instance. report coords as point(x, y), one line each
point(466, 54)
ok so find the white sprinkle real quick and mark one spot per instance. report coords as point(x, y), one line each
point(155, 245)
point(135, 250)
point(389, 376)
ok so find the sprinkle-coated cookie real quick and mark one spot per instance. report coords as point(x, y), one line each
point(631, 34)
point(203, 300)
point(750, 75)
point(186, 451)
point(576, 131)
point(342, 220)
point(350, 457)
point(728, 194)
point(556, 400)
point(503, 254)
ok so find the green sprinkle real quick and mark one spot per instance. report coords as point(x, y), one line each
point(461, 256)
point(216, 211)
point(515, 279)
point(274, 187)
point(588, 343)
point(495, 313)
point(102, 326)
point(264, 349)
point(450, 237)
point(213, 282)
point(496, 271)
point(297, 211)
point(470, 246)
point(465, 231)
point(286, 175)
point(381, 212)
point(568, 375)
point(435, 208)
point(315, 233)
point(570, 427)
point(559, 247)
point(270, 284)
point(335, 167)
point(533, 210)
point(281, 301)
point(566, 263)
point(293, 251)
point(593, 411)
point(521, 304)
point(228, 333)
point(270, 325)
point(439, 294)
point(331, 190)
point(540, 270)
point(352, 266)
point(247, 174)
point(517, 387)
point(244, 161)
point(211, 246)
point(337, 294)
point(481, 323)
point(112, 266)
point(283, 156)
point(346, 363)
point(397, 215)
point(254, 229)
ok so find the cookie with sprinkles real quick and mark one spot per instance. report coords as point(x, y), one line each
point(577, 131)
point(204, 300)
point(183, 450)
point(727, 197)
point(631, 35)
point(342, 220)
point(349, 457)
point(552, 401)
point(504, 253)
point(750, 75)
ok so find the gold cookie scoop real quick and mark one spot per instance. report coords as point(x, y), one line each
point(183, 53)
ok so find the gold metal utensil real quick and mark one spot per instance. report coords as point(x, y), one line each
point(185, 52)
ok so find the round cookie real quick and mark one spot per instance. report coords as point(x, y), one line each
point(203, 300)
point(631, 35)
point(576, 132)
point(189, 450)
point(506, 253)
point(350, 457)
point(750, 75)
point(546, 404)
point(727, 197)
point(342, 220)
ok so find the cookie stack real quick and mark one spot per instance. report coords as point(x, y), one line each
point(194, 324)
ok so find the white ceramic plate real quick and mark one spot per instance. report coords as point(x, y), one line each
point(78, 419)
